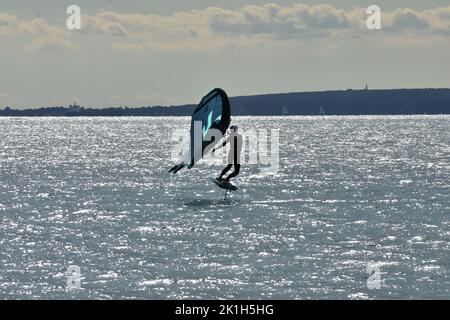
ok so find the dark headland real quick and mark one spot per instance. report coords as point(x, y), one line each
point(348, 102)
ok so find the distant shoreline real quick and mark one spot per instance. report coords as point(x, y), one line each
point(348, 102)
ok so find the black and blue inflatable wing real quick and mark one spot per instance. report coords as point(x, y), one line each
point(212, 113)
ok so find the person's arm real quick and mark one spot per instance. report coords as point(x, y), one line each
point(222, 145)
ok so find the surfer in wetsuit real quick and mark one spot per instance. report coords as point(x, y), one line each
point(234, 156)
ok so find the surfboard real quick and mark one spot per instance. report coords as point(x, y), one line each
point(224, 184)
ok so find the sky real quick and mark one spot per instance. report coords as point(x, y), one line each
point(142, 53)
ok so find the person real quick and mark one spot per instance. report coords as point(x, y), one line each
point(234, 155)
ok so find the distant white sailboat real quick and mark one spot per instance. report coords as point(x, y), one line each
point(321, 110)
point(285, 111)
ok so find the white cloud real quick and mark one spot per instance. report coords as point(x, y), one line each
point(216, 28)
point(276, 20)
point(106, 23)
point(439, 20)
point(48, 43)
point(37, 32)
point(9, 24)
point(402, 19)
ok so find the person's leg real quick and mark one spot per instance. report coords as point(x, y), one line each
point(228, 167)
point(237, 168)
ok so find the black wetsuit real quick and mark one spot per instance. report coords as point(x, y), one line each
point(234, 157)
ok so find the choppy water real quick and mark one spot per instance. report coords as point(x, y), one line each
point(351, 192)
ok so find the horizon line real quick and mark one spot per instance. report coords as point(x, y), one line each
point(231, 97)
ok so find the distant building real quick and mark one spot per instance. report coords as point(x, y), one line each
point(74, 108)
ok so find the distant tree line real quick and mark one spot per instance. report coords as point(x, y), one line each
point(349, 102)
point(92, 112)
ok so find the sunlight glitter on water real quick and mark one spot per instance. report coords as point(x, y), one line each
point(351, 192)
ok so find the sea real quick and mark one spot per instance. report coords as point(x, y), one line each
point(358, 208)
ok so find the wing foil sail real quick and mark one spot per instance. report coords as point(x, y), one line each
point(210, 121)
